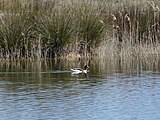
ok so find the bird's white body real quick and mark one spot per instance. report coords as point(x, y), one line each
point(78, 71)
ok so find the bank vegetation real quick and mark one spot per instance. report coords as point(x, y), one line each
point(36, 29)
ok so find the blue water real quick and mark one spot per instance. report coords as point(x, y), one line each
point(53, 93)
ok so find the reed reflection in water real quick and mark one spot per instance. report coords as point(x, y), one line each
point(114, 89)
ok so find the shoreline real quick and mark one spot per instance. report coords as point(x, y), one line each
point(103, 52)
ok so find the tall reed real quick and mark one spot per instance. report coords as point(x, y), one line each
point(51, 28)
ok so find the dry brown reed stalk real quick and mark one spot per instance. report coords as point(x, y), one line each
point(128, 27)
point(135, 58)
point(143, 51)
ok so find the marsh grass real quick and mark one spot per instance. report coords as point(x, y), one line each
point(36, 29)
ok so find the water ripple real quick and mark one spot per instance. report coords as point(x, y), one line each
point(64, 97)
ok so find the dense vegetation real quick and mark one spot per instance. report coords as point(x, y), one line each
point(54, 28)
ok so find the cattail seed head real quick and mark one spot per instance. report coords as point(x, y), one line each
point(101, 21)
point(127, 17)
point(114, 17)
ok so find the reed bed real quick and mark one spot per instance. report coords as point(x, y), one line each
point(36, 29)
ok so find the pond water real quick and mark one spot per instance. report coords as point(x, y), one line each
point(46, 90)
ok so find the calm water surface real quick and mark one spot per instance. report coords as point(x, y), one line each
point(48, 91)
